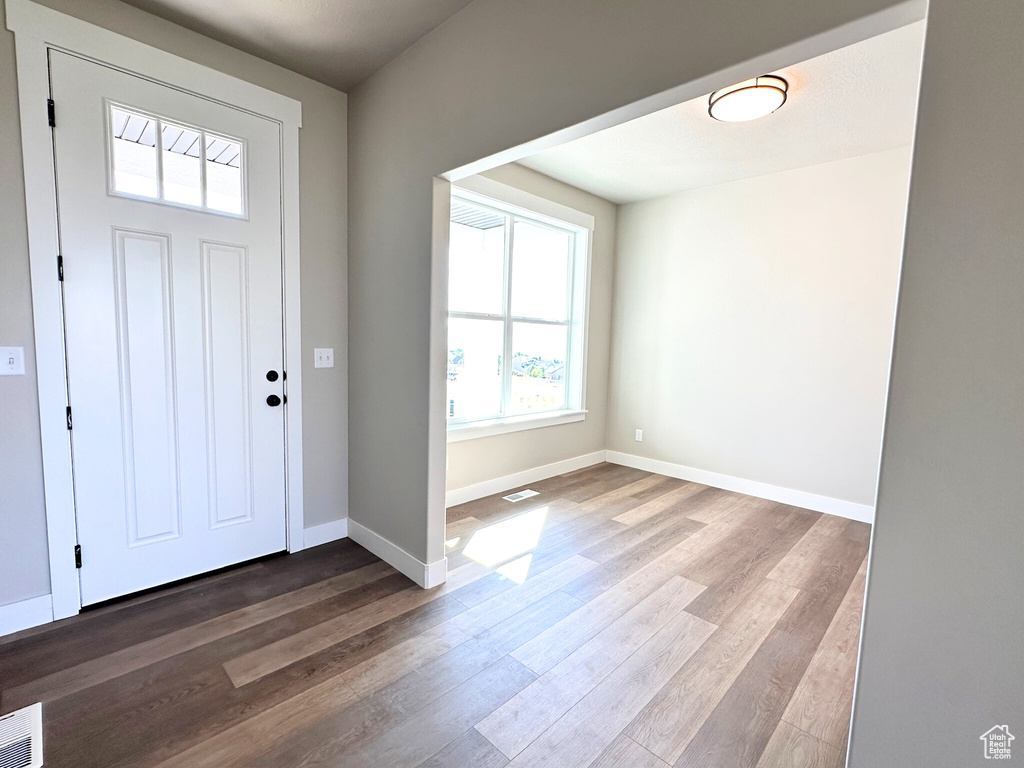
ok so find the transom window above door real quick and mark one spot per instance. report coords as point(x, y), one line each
point(158, 159)
point(517, 298)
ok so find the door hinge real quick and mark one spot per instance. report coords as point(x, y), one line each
point(69, 417)
point(78, 555)
point(51, 113)
point(60, 268)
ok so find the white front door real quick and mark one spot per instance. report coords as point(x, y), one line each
point(170, 230)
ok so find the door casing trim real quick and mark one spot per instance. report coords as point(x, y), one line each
point(36, 30)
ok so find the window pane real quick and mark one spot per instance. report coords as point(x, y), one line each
point(540, 272)
point(538, 367)
point(476, 259)
point(134, 153)
point(474, 368)
point(181, 149)
point(223, 175)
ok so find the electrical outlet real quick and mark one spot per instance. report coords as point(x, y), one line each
point(12, 361)
point(323, 358)
point(639, 435)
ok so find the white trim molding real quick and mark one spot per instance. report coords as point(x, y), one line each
point(324, 533)
point(486, 190)
point(427, 575)
point(25, 614)
point(861, 512)
point(38, 30)
point(498, 484)
point(471, 430)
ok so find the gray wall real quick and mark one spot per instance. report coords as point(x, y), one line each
point(485, 458)
point(498, 74)
point(943, 655)
point(24, 570)
point(787, 280)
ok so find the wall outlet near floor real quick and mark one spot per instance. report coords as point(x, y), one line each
point(12, 361)
point(323, 358)
point(639, 435)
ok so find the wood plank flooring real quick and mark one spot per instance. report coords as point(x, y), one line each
point(618, 618)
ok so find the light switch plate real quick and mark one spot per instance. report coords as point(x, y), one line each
point(12, 361)
point(639, 435)
point(323, 358)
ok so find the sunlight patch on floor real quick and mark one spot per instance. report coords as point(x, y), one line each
point(510, 538)
point(517, 570)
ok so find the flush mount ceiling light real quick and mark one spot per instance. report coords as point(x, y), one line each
point(748, 100)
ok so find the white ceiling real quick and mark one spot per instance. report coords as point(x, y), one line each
point(853, 101)
point(338, 42)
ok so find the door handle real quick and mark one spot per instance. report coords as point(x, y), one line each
point(271, 375)
point(273, 400)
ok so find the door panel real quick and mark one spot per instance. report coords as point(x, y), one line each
point(225, 321)
point(146, 367)
point(173, 316)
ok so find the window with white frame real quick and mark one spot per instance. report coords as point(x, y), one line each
point(152, 158)
point(517, 285)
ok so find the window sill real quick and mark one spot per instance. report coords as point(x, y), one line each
point(474, 429)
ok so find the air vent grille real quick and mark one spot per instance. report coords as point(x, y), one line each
point(520, 495)
point(21, 738)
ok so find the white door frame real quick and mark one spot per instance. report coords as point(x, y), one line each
point(36, 30)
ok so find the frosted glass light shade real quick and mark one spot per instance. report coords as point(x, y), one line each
point(748, 100)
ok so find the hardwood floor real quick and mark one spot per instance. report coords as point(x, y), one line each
point(618, 618)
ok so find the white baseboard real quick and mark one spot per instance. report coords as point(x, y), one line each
point(832, 506)
point(497, 485)
point(325, 532)
point(427, 575)
point(24, 614)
